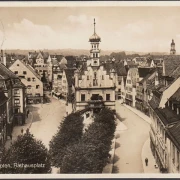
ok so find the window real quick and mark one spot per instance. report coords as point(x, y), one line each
point(87, 115)
point(119, 82)
point(24, 72)
point(29, 86)
point(16, 102)
point(107, 97)
point(173, 154)
point(16, 110)
point(37, 86)
point(17, 64)
point(92, 46)
point(15, 72)
point(33, 79)
point(87, 77)
point(102, 77)
point(119, 90)
point(16, 91)
point(96, 54)
point(28, 79)
point(82, 97)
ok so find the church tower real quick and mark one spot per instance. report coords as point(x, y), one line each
point(172, 51)
point(95, 51)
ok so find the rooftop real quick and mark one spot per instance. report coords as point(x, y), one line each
point(70, 75)
point(172, 65)
point(174, 134)
point(6, 73)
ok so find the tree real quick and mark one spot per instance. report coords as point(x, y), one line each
point(69, 132)
point(26, 155)
point(91, 154)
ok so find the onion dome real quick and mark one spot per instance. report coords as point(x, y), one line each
point(94, 37)
point(172, 42)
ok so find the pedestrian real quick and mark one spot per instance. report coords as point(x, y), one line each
point(22, 130)
point(146, 161)
point(27, 130)
point(11, 137)
point(28, 111)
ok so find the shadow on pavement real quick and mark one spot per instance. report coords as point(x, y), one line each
point(117, 145)
point(117, 136)
point(119, 117)
point(116, 158)
point(115, 169)
point(34, 110)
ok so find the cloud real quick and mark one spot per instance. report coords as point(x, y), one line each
point(82, 19)
point(27, 35)
point(139, 28)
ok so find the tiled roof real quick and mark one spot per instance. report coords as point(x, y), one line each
point(70, 75)
point(18, 84)
point(174, 134)
point(71, 60)
point(167, 115)
point(154, 102)
point(143, 72)
point(33, 54)
point(171, 63)
point(147, 77)
point(45, 55)
point(176, 95)
point(58, 57)
point(117, 66)
point(6, 73)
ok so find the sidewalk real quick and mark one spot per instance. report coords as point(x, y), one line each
point(138, 113)
point(17, 130)
point(146, 153)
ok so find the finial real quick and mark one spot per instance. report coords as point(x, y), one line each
point(94, 25)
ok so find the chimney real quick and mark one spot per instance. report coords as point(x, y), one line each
point(3, 58)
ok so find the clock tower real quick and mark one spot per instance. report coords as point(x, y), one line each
point(95, 51)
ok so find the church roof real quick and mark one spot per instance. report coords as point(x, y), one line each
point(94, 38)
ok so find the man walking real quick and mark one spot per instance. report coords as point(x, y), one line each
point(146, 161)
point(27, 113)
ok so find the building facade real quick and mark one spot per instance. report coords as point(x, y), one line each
point(16, 103)
point(3, 118)
point(95, 84)
point(34, 86)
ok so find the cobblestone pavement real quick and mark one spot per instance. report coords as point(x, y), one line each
point(130, 141)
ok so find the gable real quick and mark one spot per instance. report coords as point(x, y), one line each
point(20, 66)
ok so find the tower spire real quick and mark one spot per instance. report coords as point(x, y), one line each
point(94, 26)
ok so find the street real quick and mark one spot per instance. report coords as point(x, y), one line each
point(129, 142)
point(46, 119)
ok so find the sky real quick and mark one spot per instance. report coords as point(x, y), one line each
point(140, 29)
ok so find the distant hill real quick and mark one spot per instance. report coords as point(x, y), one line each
point(78, 52)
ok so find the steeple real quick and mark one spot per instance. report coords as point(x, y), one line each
point(95, 51)
point(172, 51)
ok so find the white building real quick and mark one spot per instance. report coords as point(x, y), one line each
point(95, 83)
point(30, 79)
